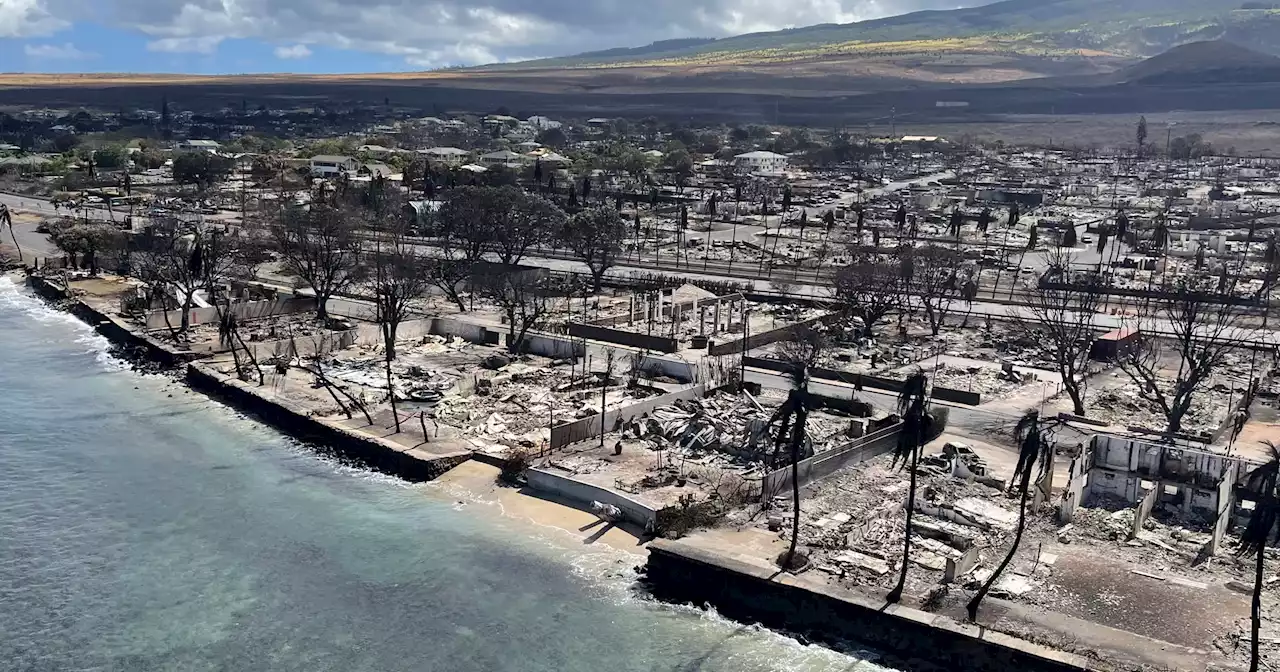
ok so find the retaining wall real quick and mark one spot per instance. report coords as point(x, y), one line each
point(244, 310)
point(865, 380)
point(765, 337)
point(590, 427)
point(408, 463)
point(628, 338)
point(567, 487)
point(828, 462)
point(682, 572)
point(111, 328)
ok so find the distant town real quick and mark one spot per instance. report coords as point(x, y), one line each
point(1028, 387)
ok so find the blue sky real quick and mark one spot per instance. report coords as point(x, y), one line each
point(339, 36)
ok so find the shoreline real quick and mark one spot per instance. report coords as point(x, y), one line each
point(471, 477)
point(688, 572)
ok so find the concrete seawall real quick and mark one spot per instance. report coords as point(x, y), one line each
point(113, 329)
point(748, 592)
point(386, 456)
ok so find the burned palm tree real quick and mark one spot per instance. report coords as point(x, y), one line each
point(918, 428)
point(1261, 483)
point(802, 352)
point(6, 219)
point(1033, 457)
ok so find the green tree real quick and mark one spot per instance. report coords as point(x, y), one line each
point(553, 137)
point(203, 169)
point(595, 236)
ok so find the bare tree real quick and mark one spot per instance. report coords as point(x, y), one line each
point(595, 236)
point(399, 278)
point(934, 281)
point(869, 287)
point(173, 258)
point(1201, 323)
point(320, 246)
point(525, 298)
point(1060, 320)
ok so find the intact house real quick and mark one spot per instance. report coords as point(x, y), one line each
point(449, 156)
point(327, 165)
point(375, 170)
point(199, 146)
point(761, 162)
point(504, 158)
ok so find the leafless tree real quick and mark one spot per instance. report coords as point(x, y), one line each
point(399, 278)
point(869, 287)
point(525, 298)
point(934, 281)
point(1201, 323)
point(176, 257)
point(1060, 319)
point(321, 247)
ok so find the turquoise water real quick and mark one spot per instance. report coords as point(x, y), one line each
point(144, 527)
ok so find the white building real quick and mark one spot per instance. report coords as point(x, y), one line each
point(326, 165)
point(199, 145)
point(542, 123)
point(503, 157)
point(761, 162)
point(450, 156)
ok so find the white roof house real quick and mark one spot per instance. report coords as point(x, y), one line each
point(199, 145)
point(328, 165)
point(762, 162)
point(501, 157)
point(449, 155)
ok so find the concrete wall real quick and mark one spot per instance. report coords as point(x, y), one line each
point(244, 310)
point(135, 344)
point(1226, 510)
point(765, 337)
point(590, 427)
point(567, 487)
point(627, 338)
point(865, 380)
point(1143, 508)
point(685, 372)
point(958, 568)
point(301, 346)
point(391, 458)
point(1073, 492)
point(828, 462)
point(754, 593)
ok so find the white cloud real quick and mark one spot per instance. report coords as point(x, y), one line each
point(27, 18)
point(296, 51)
point(434, 33)
point(183, 45)
point(63, 52)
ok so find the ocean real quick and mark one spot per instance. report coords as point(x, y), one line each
point(146, 527)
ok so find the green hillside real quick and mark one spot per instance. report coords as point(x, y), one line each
point(1135, 28)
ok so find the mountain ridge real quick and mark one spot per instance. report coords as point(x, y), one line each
point(1053, 28)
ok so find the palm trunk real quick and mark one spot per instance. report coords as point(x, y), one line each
point(391, 394)
point(797, 436)
point(895, 595)
point(1255, 615)
point(1017, 539)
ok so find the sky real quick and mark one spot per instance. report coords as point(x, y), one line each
point(337, 36)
